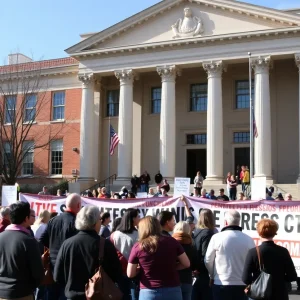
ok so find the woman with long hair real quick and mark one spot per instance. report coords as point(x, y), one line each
point(123, 239)
point(202, 235)
point(40, 224)
point(159, 258)
point(183, 236)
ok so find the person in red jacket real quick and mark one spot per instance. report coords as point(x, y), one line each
point(5, 218)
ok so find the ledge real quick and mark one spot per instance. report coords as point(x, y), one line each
point(58, 121)
point(28, 123)
point(55, 176)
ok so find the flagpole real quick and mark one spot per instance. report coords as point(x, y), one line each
point(109, 141)
point(251, 120)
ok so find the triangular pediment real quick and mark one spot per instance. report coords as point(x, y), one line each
point(166, 21)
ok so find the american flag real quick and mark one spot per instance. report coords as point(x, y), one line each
point(255, 132)
point(114, 140)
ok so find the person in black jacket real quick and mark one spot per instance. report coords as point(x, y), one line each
point(158, 178)
point(78, 257)
point(182, 234)
point(202, 235)
point(275, 259)
point(58, 230)
point(21, 268)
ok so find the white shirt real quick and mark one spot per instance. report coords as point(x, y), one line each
point(226, 255)
point(38, 230)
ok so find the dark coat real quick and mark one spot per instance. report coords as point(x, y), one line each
point(58, 230)
point(21, 269)
point(201, 240)
point(185, 275)
point(158, 178)
point(277, 262)
point(78, 259)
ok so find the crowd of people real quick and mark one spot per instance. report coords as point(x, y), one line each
point(148, 258)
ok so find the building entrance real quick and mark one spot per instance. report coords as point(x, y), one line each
point(195, 161)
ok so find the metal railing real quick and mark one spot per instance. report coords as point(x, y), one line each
point(108, 182)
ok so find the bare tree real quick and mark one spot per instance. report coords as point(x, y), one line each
point(23, 90)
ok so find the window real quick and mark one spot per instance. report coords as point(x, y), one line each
point(28, 149)
point(155, 100)
point(198, 97)
point(56, 157)
point(113, 103)
point(10, 109)
point(30, 108)
point(7, 155)
point(241, 137)
point(58, 104)
point(199, 139)
point(242, 94)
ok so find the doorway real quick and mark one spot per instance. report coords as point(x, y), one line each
point(241, 157)
point(195, 161)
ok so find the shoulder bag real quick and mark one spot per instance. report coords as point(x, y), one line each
point(261, 288)
point(100, 286)
point(48, 279)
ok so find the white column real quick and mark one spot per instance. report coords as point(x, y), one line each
point(262, 116)
point(168, 121)
point(125, 130)
point(87, 128)
point(214, 148)
point(297, 58)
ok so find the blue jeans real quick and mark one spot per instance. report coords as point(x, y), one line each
point(229, 292)
point(201, 288)
point(186, 291)
point(161, 294)
point(144, 188)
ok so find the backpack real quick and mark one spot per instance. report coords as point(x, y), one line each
point(100, 286)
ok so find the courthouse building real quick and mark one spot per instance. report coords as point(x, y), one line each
point(173, 81)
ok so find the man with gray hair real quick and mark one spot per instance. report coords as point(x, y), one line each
point(225, 259)
point(5, 218)
point(78, 257)
point(58, 230)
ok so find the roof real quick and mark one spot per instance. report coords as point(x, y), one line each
point(274, 15)
point(39, 65)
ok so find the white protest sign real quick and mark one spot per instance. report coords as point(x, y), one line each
point(9, 194)
point(258, 188)
point(141, 195)
point(182, 186)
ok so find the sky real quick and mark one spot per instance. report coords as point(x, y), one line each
point(43, 29)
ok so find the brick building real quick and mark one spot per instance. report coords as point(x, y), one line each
point(58, 120)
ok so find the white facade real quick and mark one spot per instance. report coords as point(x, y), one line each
point(172, 45)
